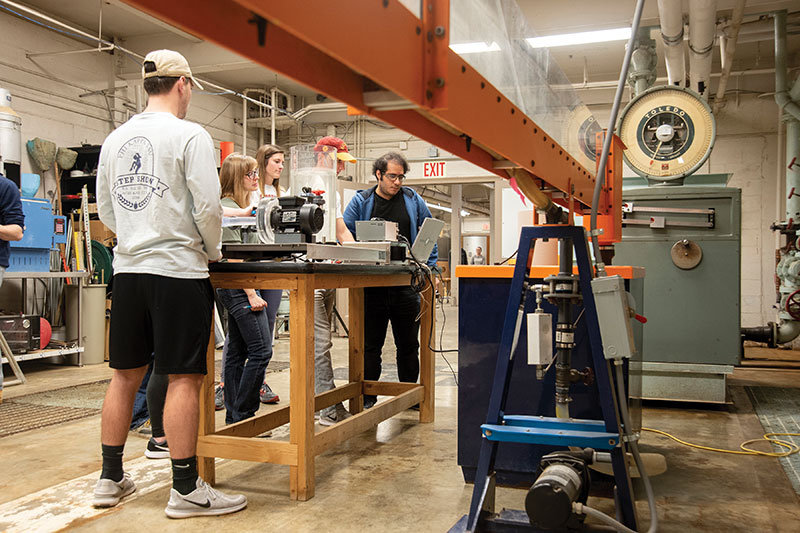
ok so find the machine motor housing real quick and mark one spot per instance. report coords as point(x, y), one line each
point(297, 218)
point(563, 480)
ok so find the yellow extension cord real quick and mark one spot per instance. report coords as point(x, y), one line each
point(791, 448)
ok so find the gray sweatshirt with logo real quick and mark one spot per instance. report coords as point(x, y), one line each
point(158, 190)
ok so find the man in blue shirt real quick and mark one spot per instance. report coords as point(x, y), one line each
point(389, 200)
point(12, 221)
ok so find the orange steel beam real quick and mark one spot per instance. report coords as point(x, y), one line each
point(610, 217)
point(343, 49)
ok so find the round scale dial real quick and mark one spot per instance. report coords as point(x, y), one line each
point(668, 133)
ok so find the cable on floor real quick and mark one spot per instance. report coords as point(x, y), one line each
point(790, 447)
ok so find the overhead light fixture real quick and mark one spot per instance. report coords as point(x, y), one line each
point(586, 37)
point(447, 209)
point(474, 48)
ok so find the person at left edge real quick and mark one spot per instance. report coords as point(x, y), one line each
point(12, 222)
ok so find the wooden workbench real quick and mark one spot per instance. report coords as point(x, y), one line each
point(236, 441)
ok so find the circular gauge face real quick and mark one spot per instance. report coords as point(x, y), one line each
point(582, 129)
point(668, 133)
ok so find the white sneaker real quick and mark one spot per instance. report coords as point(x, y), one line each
point(108, 493)
point(339, 414)
point(203, 501)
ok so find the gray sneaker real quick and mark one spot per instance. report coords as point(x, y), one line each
point(219, 398)
point(108, 493)
point(203, 501)
point(334, 416)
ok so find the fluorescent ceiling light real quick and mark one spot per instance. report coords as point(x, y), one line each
point(447, 209)
point(474, 48)
point(587, 37)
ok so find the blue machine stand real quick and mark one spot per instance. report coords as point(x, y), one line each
point(602, 435)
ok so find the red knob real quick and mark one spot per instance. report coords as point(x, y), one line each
point(640, 318)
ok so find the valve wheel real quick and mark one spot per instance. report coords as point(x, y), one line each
point(793, 305)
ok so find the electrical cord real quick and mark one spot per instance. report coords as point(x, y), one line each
point(634, 447)
point(600, 179)
point(791, 448)
point(509, 258)
point(427, 278)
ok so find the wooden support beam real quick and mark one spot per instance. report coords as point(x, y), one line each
point(356, 344)
point(333, 435)
point(261, 423)
point(301, 378)
point(388, 388)
point(247, 449)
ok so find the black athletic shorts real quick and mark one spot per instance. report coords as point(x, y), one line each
point(167, 317)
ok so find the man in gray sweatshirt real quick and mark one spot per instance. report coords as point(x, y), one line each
point(158, 190)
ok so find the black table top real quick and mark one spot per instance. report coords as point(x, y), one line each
point(299, 267)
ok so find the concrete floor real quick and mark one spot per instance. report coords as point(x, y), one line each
point(401, 476)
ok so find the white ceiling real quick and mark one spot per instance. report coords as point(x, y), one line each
point(595, 63)
point(603, 61)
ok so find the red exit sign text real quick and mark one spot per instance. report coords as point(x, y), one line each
point(434, 170)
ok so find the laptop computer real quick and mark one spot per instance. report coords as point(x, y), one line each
point(426, 238)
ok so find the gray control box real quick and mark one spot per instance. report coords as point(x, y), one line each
point(614, 316)
point(540, 338)
point(376, 230)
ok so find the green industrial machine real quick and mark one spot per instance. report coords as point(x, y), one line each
point(685, 229)
point(688, 238)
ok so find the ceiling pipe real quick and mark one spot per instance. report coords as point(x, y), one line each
point(671, 17)
point(54, 24)
point(702, 15)
point(727, 51)
point(782, 97)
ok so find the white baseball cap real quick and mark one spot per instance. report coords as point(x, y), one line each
point(169, 64)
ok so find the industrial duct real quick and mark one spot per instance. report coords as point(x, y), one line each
point(702, 27)
point(671, 17)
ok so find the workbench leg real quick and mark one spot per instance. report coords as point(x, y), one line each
point(356, 343)
point(207, 426)
point(301, 388)
point(427, 368)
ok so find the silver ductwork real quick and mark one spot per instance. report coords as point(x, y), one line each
point(671, 17)
point(702, 29)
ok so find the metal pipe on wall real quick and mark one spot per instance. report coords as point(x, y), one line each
point(782, 97)
point(702, 14)
point(272, 93)
point(455, 238)
point(792, 170)
point(671, 16)
point(727, 56)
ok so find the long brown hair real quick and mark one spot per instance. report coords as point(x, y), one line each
point(262, 156)
point(231, 177)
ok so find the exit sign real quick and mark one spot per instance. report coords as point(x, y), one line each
point(434, 169)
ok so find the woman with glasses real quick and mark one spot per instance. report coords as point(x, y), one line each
point(249, 339)
point(270, 166)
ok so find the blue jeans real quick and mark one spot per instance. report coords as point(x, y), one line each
point(140, 412)
point(249, 352)
point(273, 299)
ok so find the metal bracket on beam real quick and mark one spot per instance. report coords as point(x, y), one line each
point(436, 47)
point(261, 27)
point(504, 164)
point(386, 101)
